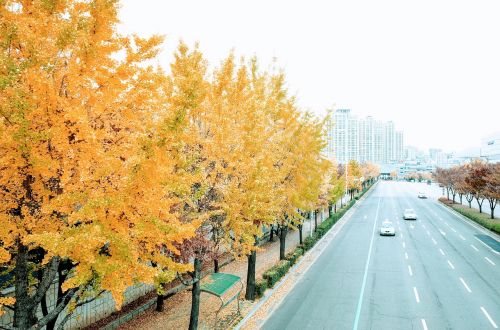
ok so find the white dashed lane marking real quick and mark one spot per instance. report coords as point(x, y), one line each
point(417, 297)
point(489, 318)
point(488, 259)
point(465, 285)
point(451, 265)
point(424, 325)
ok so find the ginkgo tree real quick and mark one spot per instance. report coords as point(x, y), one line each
point(354, 176)
point(81, 203)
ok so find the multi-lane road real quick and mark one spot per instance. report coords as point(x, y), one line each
point(438, 272)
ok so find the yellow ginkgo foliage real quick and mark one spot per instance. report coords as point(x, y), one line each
point(84, 140)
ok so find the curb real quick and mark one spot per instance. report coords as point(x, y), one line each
point(268, 295)
point(471, 222)
point(475, 225)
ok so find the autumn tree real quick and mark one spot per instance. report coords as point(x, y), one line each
point(477, 180)
point(80, 200)
point(492, 189)
point(353, 177)
point(370, 172)
point(336, 187)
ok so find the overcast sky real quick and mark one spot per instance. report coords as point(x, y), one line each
point(431, 66)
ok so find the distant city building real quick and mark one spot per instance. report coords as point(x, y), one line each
point(490, 148)
point(363, 140)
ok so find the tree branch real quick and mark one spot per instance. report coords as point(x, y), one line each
point(6, 327)
point(47, 278)
point(188, 283)
point(68, 315)
point(55, 312)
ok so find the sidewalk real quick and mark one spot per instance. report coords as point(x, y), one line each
point(178, 307)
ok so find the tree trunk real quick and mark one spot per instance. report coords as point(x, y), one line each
point(329, 210)
point(24, 317)
point(315, 220)
point(216, 265)
point(469, 199)
point(453, 194)
point(300, 233)
point(480, 205)
point(271, 236)
point(335, 208)
point(493, 204)
point(195, 296)
point(284, 230)
point(160, 307)
point(460, 195)
point(250, 291)
point(448, 193)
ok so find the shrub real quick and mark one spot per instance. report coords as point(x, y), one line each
point(294, 255)
point(260, 288)
point(276, 272)
point(309, 243)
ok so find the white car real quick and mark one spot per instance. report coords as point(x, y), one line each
point(387, 229)
point(422, 195)
point(409, 214)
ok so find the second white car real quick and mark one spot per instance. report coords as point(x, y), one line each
point(409, 214)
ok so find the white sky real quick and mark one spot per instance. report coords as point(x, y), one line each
point(431, 66)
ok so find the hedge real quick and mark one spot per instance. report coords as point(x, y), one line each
point(481, 218)
point(260, 288)
point(293, 256)
point(276, 272)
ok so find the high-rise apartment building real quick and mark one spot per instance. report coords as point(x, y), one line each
point(364, 140)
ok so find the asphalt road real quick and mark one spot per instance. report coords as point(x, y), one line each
point(438, 272)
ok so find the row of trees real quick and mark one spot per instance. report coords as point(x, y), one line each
point(113, 172)
point(476, 180)
point(418, 176)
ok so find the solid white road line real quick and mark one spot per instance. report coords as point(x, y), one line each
point(488, 259)
point(406, 256)
point(424, 325)
point(486, 245)
point(441, 251)
point(475, 248)
point(489, 318)
point(362, 291)
point(434, 241)
point(409, 270)
point(465, 284)
point(417, 298)
point(463, 238)
point(451, 265)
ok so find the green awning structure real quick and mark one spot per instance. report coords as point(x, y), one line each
point(218, 284)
